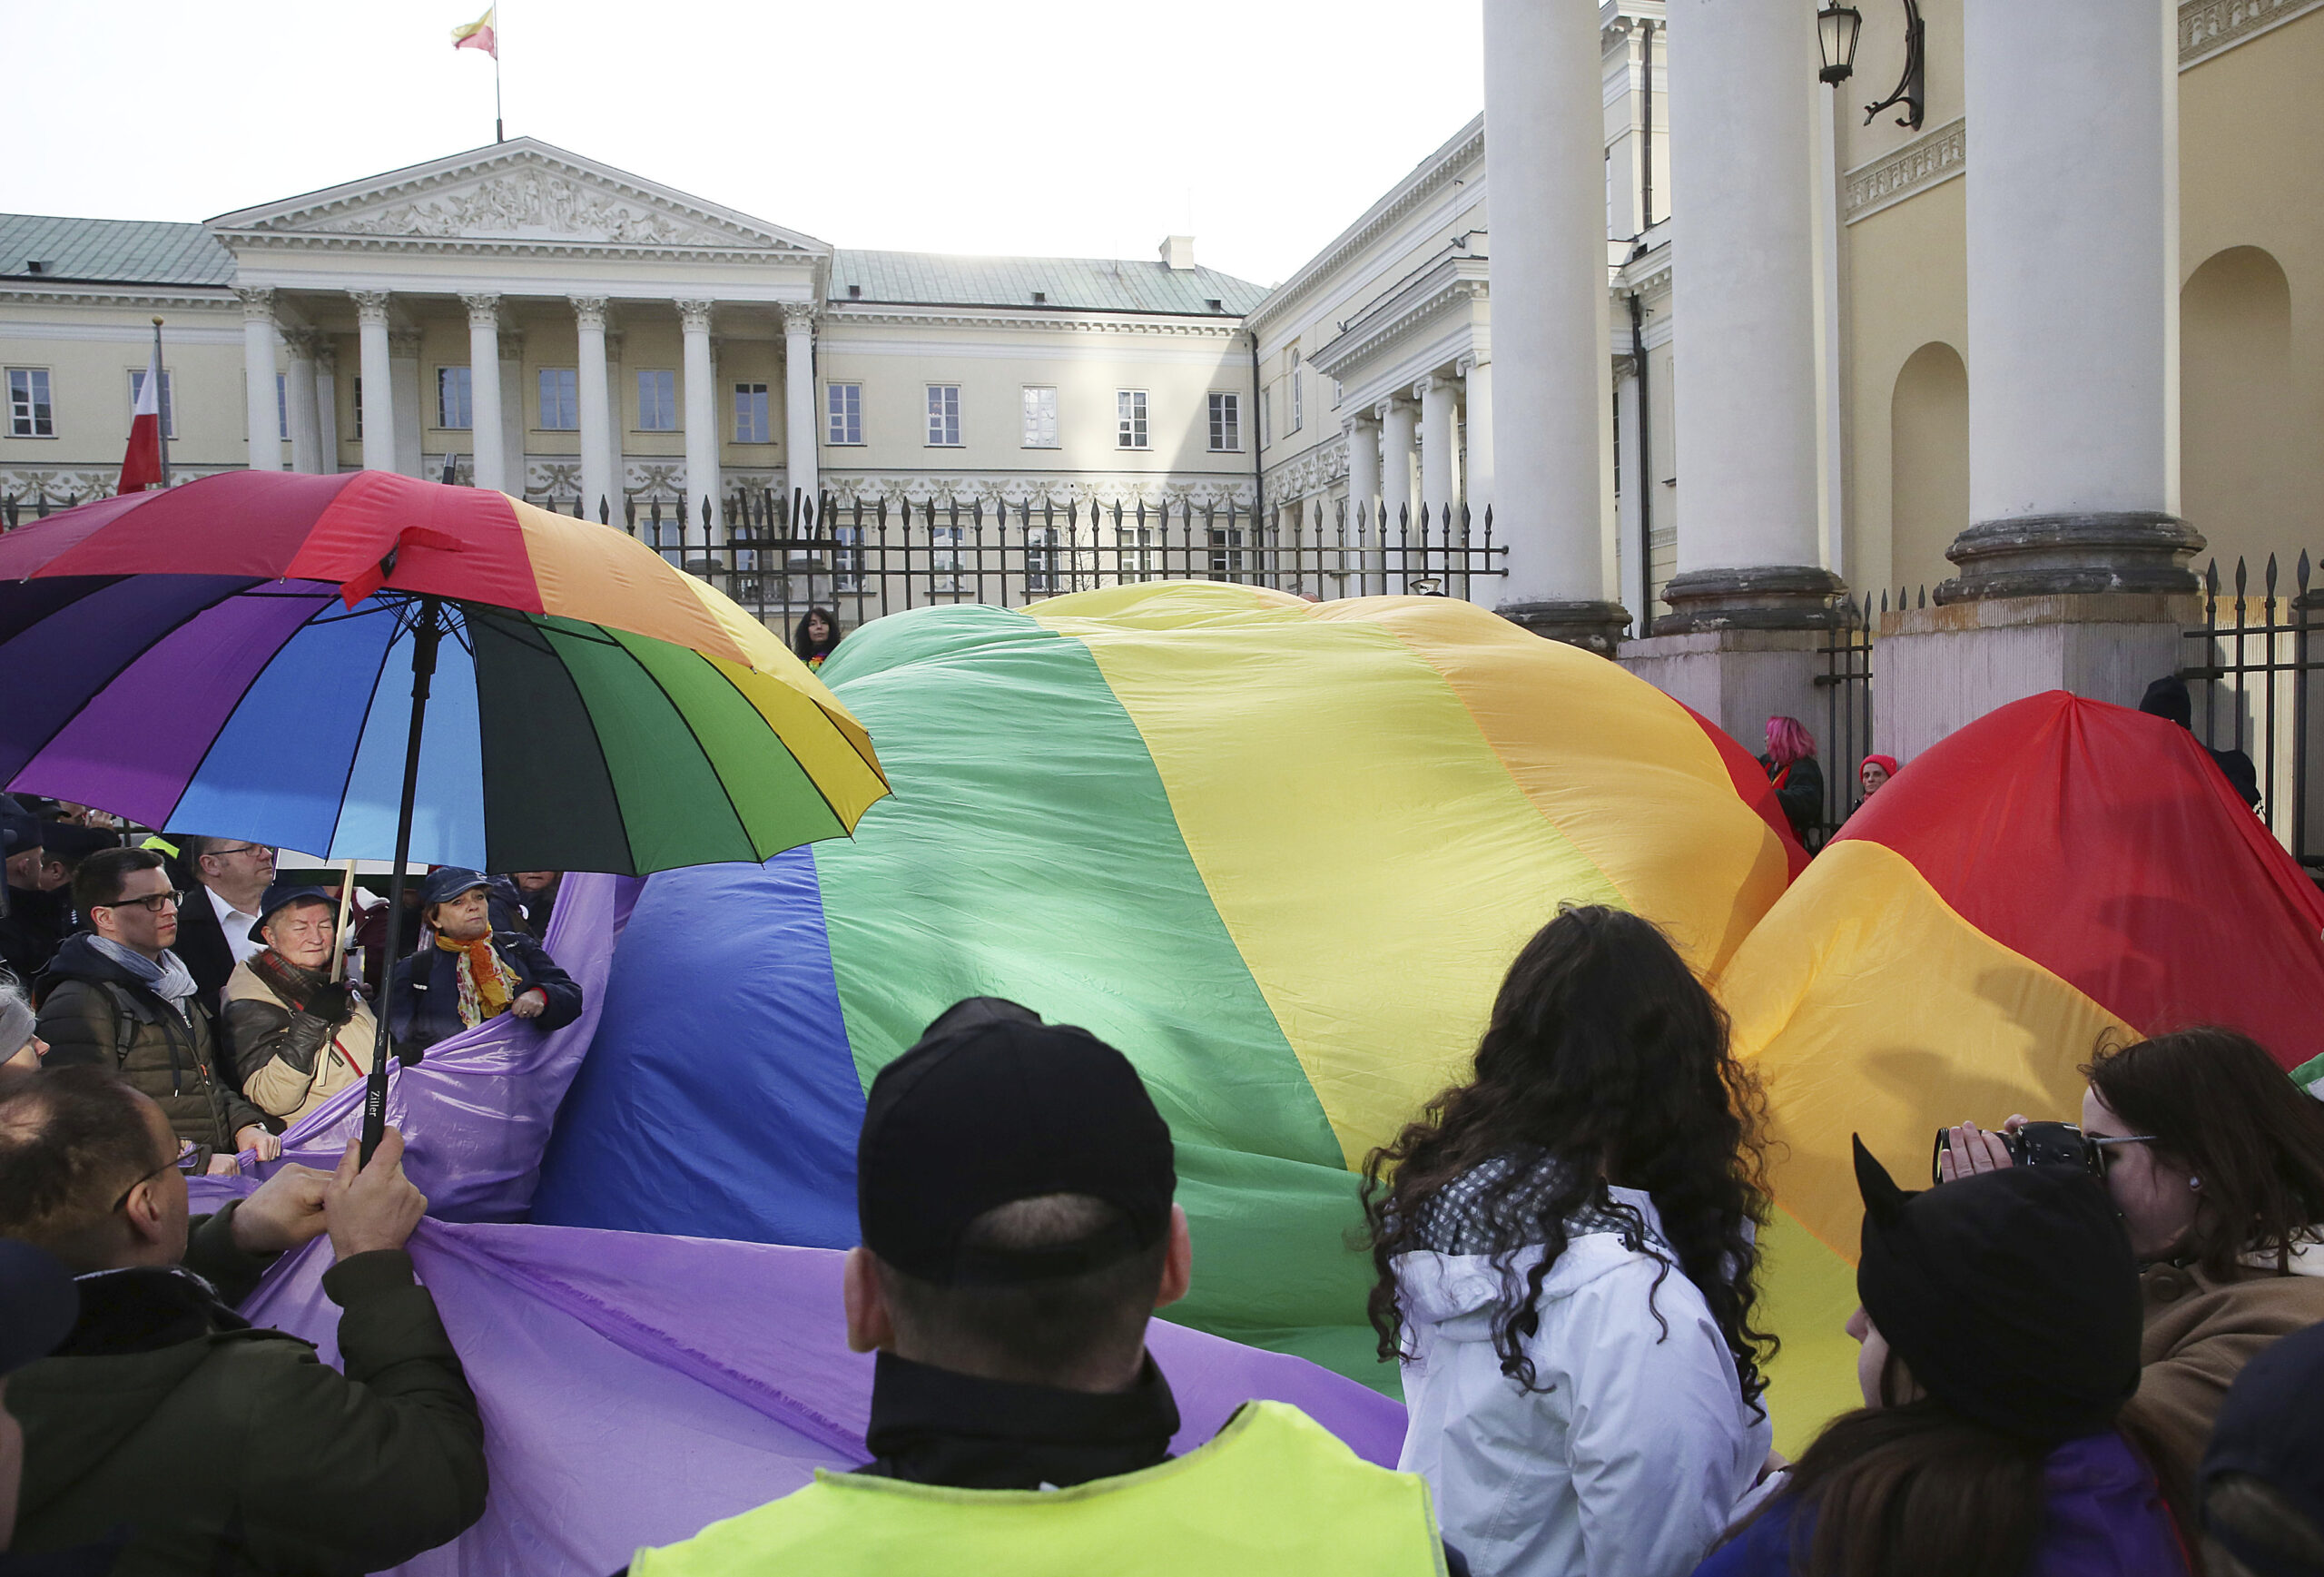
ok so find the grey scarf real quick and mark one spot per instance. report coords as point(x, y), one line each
point(167, 977)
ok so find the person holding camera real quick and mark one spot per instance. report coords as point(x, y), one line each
point(2000, 1339)
point(2215, 1162)
point(294, 1036)
point(1567, 1266)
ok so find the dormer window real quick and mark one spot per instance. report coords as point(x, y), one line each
point(1214, 304)
point(38, 266)
point(855, 292)
point(1040, 298)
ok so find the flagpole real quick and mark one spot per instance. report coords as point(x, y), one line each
point(497, 136)
point(161, 402)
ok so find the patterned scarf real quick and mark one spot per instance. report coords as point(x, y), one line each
point(292, 983)
point(166, 977)
point(486, 983)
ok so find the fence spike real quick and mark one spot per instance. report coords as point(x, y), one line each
point(2300, 572)
point(1923, 602)
point(2272, 578)
point(2242, 576)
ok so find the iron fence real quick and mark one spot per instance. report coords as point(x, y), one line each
point(2247, 670)
point(1847, 684)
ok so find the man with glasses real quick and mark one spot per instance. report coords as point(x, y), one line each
point(116, 997)
point(163, 1418)
point(230, 877)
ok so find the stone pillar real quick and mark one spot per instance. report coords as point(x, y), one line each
point(259, 335)
point(800, 430)
point(300, 400)
point(410, 400)
point(1399, 425)
point(1476, 393)
point(327, 402)
point(377, 393)
point(596, 426)
point(1545, 126)
point(1439, 484)
point(514, 477)
point(488, 439)
point(701, 417)
point(1742, 77)
point(617, 423)
point(2072, 248)
point(1363, 497)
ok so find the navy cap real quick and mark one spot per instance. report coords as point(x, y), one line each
point(19, 829)
point(446, 883)
point(280, 894)
point(38, 1304)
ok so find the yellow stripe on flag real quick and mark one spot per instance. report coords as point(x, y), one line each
point(462, 35)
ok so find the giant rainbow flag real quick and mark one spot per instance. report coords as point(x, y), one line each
point(1280, 852)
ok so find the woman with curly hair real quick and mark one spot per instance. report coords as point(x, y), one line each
point(1567, 1266)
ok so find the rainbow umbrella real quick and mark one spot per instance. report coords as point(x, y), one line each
point(1280, 853)
point(2058, 872)
point(256, 654)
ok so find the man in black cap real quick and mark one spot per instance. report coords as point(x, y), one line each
point(37, 918)
point(2167, 698)
point(1013, 1186)
point(466, 972)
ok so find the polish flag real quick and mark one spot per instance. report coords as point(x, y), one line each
point(141, 467)
point(482, 34)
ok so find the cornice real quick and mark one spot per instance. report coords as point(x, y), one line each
point(242, 242)
point(1929, 159)
point(1455, 281)
point(1434, 175)
point(2212, 27)
point(840, 313)
point(221, 297)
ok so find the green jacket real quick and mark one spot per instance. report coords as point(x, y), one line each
point(229, 1449)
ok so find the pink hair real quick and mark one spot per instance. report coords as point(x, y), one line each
point(1790, 741)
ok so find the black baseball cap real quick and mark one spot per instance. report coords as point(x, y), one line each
point(38, 1304)
point(992, 1106)
point(446, 883)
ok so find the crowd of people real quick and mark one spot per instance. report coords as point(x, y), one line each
point(2109, 1363)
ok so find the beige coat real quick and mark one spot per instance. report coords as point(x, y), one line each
point(260, 1028)
point(2199, 1333)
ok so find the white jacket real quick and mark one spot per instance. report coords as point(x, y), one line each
point(1632, 1462)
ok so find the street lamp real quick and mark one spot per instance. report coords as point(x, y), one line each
point(1835, 30)
point(1908, 86)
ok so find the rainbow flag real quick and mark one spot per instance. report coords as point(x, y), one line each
point(482, 34)
point(2059, 871)
point(1280, 852)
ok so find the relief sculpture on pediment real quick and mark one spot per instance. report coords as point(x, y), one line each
point(526, 205)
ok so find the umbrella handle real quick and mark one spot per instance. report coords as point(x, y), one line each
point(427, 631)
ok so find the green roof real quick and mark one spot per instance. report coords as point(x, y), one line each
point(130, 251)
point(921, 279)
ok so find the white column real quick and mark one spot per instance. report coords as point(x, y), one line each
point(2073, 253)
point(265, 416)
point(411, 402)
point(1546, 128)
point(487, 437)
point(616, 422)
point(1476, 393)
point(1399, 424)
point(327, 402)
point(1363, 496)
point(801, 431)
point(377, 391)
point(1438, 485)
point(701, 417)
point(512, 412)
point(299, 391)
point(1742, 80)
point(596, 427)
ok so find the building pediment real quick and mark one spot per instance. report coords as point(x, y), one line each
point(523, 196)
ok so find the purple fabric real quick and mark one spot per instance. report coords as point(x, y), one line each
point(636, 1387)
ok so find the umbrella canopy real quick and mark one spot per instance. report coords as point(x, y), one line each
point(235, 656)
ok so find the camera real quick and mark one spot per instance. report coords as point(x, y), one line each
point(2038, 1144)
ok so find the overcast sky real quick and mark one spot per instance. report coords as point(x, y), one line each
point(1046, 127)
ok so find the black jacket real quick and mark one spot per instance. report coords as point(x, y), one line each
point(34, 927)
point(425, 1011)
point(95, 1012)
point(202, 943)
point(1802, 795)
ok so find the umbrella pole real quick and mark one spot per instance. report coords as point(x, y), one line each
point(426, 633)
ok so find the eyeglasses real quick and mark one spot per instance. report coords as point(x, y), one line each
point(243, 849)
point(187, 1149)
point(153, 903)
point(2101, 1158)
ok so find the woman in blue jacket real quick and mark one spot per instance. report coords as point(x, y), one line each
point(465, 973)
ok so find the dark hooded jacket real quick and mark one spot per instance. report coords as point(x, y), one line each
point(426, 1008)
point(225, 1448)
point(93, 1011)
point(2168, 698)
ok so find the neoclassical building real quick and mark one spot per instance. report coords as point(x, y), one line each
point(532, 321)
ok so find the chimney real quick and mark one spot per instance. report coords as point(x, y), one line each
point(1178, 251)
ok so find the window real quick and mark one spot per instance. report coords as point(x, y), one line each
point(31, 414)
point(657, 400)
point(1129, 408)
point(168, 401)
point(944, 556)
point(1226, 422)
point(1298, 400)
point(1040, 559)
point(560, 400)
point(454, 408)
point(1135, 557)
point(944, 415)
point(750, 414)
point(1040, 419)
point(357, 381)
point(281, 406)
point(843, 413)
point(1267, 416)
point(847, 558)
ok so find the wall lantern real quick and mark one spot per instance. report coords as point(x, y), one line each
point(1835, 30)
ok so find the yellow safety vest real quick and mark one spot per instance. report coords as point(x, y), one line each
point(1275, 1493)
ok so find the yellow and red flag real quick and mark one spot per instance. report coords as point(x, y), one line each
point(2058, 871)
point(481, 34)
